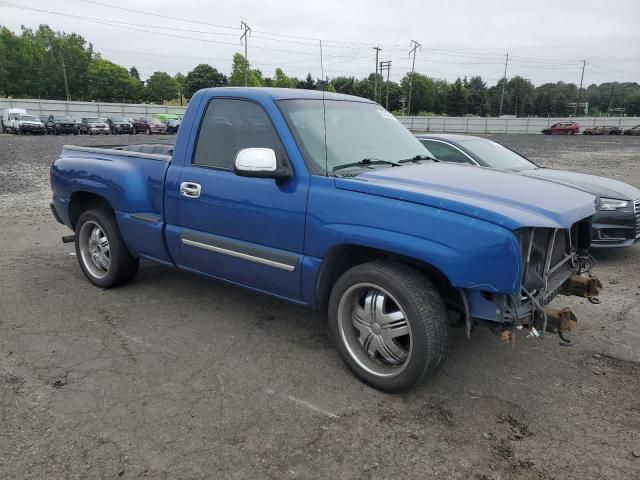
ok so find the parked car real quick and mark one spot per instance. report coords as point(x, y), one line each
point(149, 125)
point(173, 125)
point(335, 205)
point(22, 124)
point(9, 115)
point(632, 131)
point(94, 126)
point(120, 125)
point(56, 125)
point(562, 128)
point(617, 222)
point(165, 117)
point(602, 130)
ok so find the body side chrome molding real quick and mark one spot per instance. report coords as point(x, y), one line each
point(237, 249)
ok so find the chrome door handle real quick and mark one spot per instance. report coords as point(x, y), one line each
point(190, 189)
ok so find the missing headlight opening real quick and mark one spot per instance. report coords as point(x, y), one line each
point(554, 261)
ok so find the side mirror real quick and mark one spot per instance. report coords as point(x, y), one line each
point(260, 163)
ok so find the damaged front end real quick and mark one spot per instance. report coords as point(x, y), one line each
point(554, 261)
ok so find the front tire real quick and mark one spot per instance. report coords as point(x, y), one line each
point(389, 324)
point(148, 131)
point(101, 251)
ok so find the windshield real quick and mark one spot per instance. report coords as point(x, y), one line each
point(29, 118)
point(355, 131)
point(62, 119)
point(93, 120)
point(494, 155)
point(119, 120)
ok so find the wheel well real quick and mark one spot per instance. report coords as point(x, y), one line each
point(80, 202)
point(340, 259)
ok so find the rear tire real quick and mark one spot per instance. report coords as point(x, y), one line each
point(101, 251)
point(389, 325)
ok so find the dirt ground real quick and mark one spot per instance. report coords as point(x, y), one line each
point(175, 376)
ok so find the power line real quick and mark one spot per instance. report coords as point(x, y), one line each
point(169, 17)
point(133, 26)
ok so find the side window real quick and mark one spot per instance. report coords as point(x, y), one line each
point(445, 152)
point(228, 126)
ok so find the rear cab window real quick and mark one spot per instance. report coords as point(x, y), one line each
point(228, 126)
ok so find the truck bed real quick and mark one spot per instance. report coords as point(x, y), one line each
point(130, 178)
point(152, 151)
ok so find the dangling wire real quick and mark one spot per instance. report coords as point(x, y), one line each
point(324, 113)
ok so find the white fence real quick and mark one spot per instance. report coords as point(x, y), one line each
point(505, 125)
point(415, 124)
point(87, 109)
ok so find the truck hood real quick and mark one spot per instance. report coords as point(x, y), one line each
point(506, 199)
point(600, 186)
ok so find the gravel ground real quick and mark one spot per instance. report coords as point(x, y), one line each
point(176, 376)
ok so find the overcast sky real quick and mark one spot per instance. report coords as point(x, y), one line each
point(546, 40)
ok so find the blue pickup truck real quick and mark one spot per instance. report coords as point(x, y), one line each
point(326, 200)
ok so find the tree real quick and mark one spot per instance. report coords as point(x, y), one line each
point(180, 79)
point(160, 87)
point(133, 71)
point(331, 88)
point(238, 69)
point(344, 85)
point(308, 83)
point(457, 100)
point(423, 92)
point(521, 93)
point(280, 80)
point(478, 104)
point(203, 76)
point(633, 104)
point(109, 82)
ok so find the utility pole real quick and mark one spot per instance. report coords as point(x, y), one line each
point(245, 37)
point(575, 110)
point(321, 63)
point(416, 46)
point(64, 75)
point(610, 102)
point(375, 79)
point(386, 66)
point(506, 62)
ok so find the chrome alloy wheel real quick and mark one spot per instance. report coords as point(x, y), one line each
point(94, 249)
point(375, 330)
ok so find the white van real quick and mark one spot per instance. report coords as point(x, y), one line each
point(27, 124)
point(10, 115)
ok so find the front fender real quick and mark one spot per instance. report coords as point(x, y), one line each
point(471, 253)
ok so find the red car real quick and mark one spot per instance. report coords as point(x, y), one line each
point(148, 125)
point(562, 128)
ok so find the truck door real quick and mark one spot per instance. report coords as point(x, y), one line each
point(248, 231)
